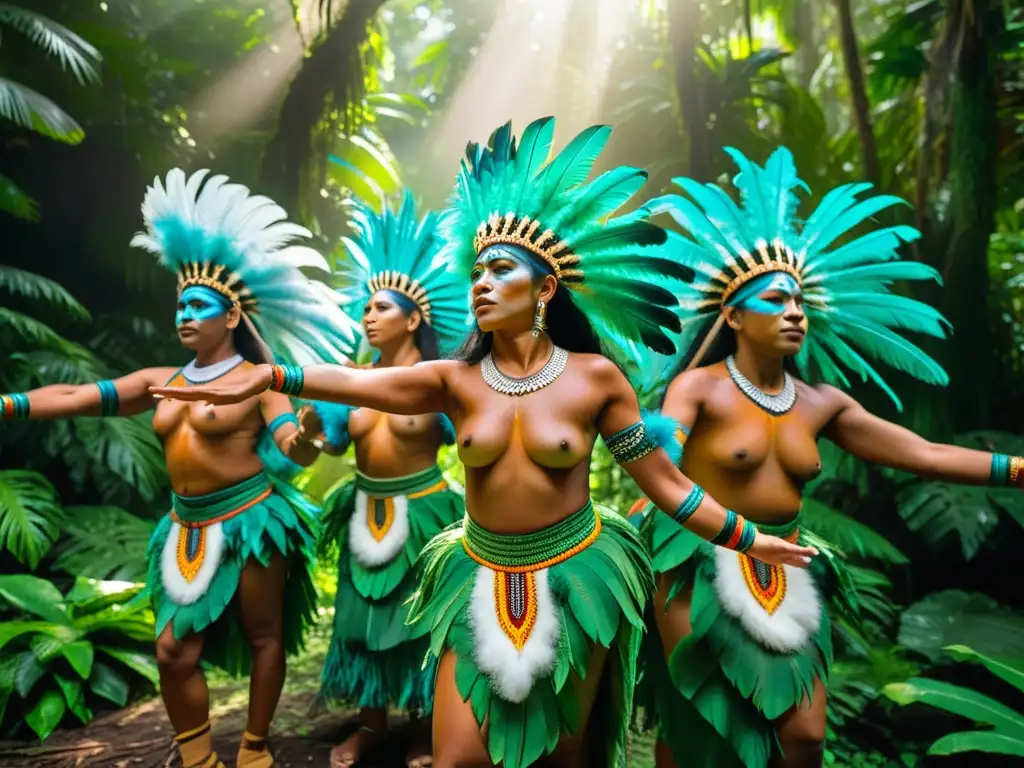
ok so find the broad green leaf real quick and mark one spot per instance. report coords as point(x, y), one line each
point(143, 663)
point(34, 595)
point(846, 533)
point(46, 714)
point(30, 109)
point(1010, 670)
point(104, 543)
point(15, 202)
point(109, 684)
point(30, 513)
point(953, 617)
point(29, 672)
point(993, 742)
point(74, 54)
point(80, 656)
point(936, 510)
point(74, 695)
point(9, 630)
point(957, 700)
point(129, 448)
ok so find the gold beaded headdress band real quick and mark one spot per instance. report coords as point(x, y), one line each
point(210, 275)
point(392, 280)
point(734, 275)
point(508, 230)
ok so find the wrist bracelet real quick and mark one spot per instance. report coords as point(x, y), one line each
point(287, 379)
point(1006, 470)
point(14, 406)
point(110, 401)
point(737, 533)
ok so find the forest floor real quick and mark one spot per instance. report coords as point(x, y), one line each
point(140, 736)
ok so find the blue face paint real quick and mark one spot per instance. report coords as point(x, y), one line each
point(780, 287)
point(510, 253)
point(198, 303)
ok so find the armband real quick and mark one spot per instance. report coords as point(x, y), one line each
point(280, 421)
point(632, 443)
point(1006, 470)
point(689, 505)
point(14, 406)
point(287, 379)
point(110, 401)
point(738, 533)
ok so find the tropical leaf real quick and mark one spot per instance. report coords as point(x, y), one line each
point(30, 515)
point(1010, 670)
point(34, 595)
point(104, 543)
point(71, 365)
point(39, 288)
point(846, 533)
point(128, 448)
point(46, 715)
point(953, 617)
point(16, 202)
point(73, 53)
point(957, 700)
point(33, 111)
point(992, 742)
point(109, 684)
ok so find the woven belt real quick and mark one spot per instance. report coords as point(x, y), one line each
point(200, 511)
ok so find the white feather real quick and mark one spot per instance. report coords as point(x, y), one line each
point(177, 587)
point(367, 551)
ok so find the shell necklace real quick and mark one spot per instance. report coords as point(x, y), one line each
point(195, 374)
point(508, 385)
point(774, 404)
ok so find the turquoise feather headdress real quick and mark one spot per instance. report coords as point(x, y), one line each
point(615, 267)
point(237, 244)
point(397, 252)
point(852, 313)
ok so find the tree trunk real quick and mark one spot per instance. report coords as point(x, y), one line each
point(858, 94)
point(972, 207)
point(331, 77)
point(807, 43)
point(683, 28)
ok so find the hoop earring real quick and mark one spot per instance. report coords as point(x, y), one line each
point(538, 319)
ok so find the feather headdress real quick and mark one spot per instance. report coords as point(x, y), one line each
point(238, 244)
point(397, 252)
point(615, 267)
point(852, 312)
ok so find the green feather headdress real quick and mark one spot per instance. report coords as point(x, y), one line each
point(616, 267)
point(852, 312)
point(240, 245)
point(398, 252)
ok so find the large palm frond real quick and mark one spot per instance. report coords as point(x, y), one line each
point(104, 543)
point(16, 202)
point(73, 53)
point(31, 110)
point(30, 515)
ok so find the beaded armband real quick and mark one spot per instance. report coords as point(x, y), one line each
point(1006, 470)
point(14, 406)
point(287, 379)
point(110, 401)
point(632, 443)
point(738, 533)
point(689, 505)
point(280, 421)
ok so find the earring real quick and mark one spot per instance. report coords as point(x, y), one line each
point(538, 319)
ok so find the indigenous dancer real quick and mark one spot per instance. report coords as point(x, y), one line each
point(229, 565)
point(412, 308)
point(747, 643)
point(535, 603)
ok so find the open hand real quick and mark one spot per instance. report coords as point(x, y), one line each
point(776, 551)
point(311, 426)
point(248, 383)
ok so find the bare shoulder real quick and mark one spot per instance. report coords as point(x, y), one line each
point(598, 367)
point(448, 370)
point(694, 384)
point(825, 396)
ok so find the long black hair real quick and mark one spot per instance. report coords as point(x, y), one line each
point(424, 337)
point(248, 343)
point(568, 327)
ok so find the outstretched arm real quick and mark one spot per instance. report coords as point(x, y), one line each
point(670, 489)
point(125, 396)
point(406, 390)
point(870, 438)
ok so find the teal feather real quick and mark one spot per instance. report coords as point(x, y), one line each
point(221, 224)
point(402, 243)
point(853, 314)
point(664, 431)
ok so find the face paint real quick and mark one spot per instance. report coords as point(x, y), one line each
point(198, 303)
point(782, 285)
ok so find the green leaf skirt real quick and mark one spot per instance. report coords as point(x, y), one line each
point(197, 554)
point(523, 613)
point(761, 636)
point(376, 658)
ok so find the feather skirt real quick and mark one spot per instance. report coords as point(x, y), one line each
point(194, 573)
point(761, 636)
point(376, 657)
point(522, 631)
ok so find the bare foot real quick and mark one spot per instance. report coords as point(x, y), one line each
point(419, 757)
point(347, 754)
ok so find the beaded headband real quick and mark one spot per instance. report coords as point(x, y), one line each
point(508, 230)
point(392, 280)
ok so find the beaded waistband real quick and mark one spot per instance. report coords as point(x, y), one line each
point(430, 480)
point(199, 511)
point(525, 552)
point(782, 530)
